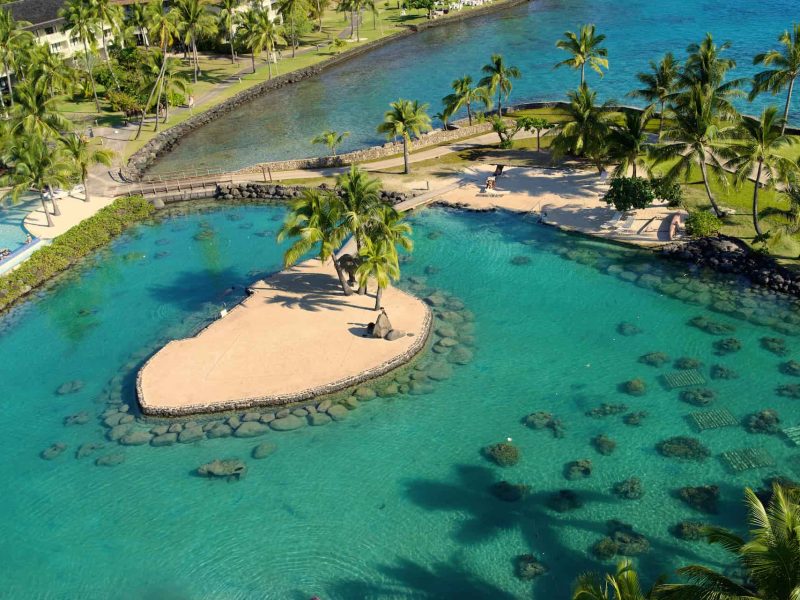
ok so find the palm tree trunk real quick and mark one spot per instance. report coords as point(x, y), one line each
point(499, 103)
point(158, 102)
point(86, 197)
point(342, 279)
point(469, 113)
point(708, 189)
point(786, 108)
point(150, 97)
point(538, 140)
point(756, 185)
point(583, 72)
point(91, 76)
point(319, 16)
point(8, 81)
point(269, 60)
point(253, 58)
point(294, 36)
point(634, 168)
point(196, 60)
point(378, 295)
point(407, 168)
point(661, 120)
point(46, 212)
point(56, 209)
point(352, 25)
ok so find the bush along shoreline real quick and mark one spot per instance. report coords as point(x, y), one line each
point(71, 246)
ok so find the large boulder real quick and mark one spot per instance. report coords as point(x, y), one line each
point(220, 430)
point(338, 412)
point(382, 326)
point(136, 438)
point(287, 423)
point(263, 450)
point(165, 439)
point(116, 432)
point(250, 429)
point(318, 419)
point(231, 468)
point(191, 434)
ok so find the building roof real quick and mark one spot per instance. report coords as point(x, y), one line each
point(37, 12)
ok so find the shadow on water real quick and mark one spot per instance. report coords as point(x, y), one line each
point(450, 579)
point(487, 516)
point(189, 290)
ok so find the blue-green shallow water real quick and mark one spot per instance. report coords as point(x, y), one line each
point(392, 503)
point(353, 96)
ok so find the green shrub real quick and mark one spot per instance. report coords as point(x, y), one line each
point(702, 224)
point(667, 189)
point(627, 193)
point(123, 102)
point(72, 245)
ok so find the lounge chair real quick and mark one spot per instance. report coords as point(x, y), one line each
point(627, 226)
point(613, 222)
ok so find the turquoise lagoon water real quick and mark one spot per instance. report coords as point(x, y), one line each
point(353, 96)
point(393, 502)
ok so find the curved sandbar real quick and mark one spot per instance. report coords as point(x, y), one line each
point(296, 337)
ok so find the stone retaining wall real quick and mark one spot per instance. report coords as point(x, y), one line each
point(266, 191)
point(143, 158)
point(433, 138)
point(300, 396)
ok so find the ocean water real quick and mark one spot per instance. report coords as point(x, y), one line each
point(353, 96)
point(394, 502)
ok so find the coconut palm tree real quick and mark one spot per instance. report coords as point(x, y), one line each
point(83, 155)
point(290, 9)
point(137, 19)
point(361, 199)
point(406, 118)
point(227, 19)
point(35, 164)
point(770, 557)
point(758, 150)
point(193, 20)
point(497, 78)
point(12, 37)
point(620, 585)
point(35, 111)
point(697, 138)
point(379, 262)
point(659, 85)
point(585, 49)
point(464, 94)
point(261, 33)
point(331, 139)
point(708, 68)
point(50, 68)
point(163, 31)
point(390, 225)
point(584, 133)
point(316, 217)
point(81, 21)
point(107, 14)
point(628, 141)
point(785, 69)
point(173, 81)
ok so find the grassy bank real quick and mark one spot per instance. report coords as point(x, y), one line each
point(71, 246)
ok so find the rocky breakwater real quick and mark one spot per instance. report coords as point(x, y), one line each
point(729, 255)
point(271, 191)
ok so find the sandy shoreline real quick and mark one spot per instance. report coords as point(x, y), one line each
point(295, 338)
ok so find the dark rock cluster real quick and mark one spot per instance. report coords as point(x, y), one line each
point(728, 255)
point(272, 191)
